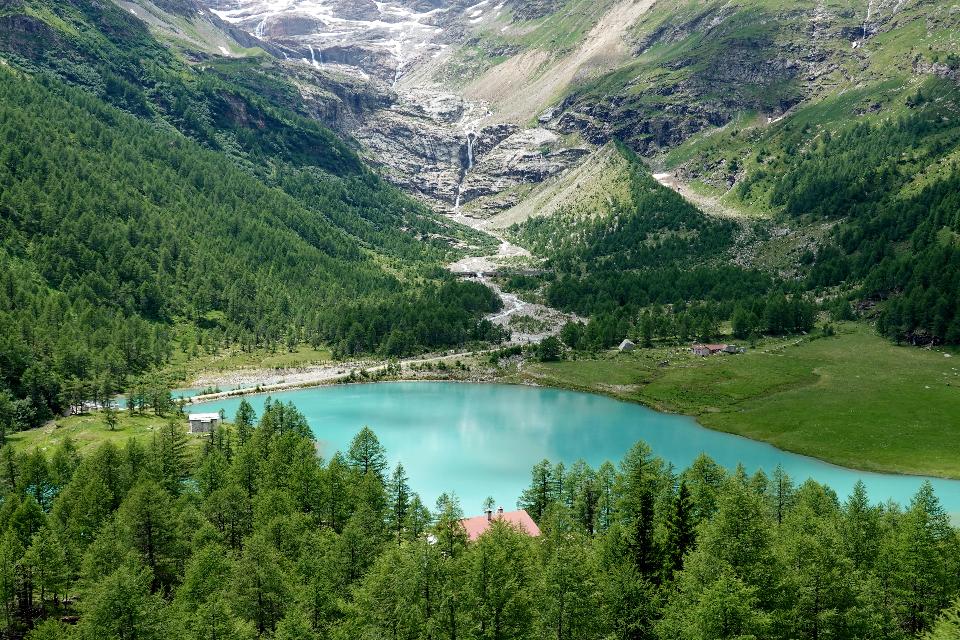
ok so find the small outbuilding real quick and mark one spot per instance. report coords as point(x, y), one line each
point(627, 346)
point(203, 422)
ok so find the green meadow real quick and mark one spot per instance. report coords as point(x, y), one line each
point(853, 399)
point(90, 429)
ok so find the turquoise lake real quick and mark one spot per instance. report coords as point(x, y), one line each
point(481, 440)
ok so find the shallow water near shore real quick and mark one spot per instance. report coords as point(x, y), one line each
point(481, 440)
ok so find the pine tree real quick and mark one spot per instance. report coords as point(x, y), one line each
point(213, 618)
point(149, 527)
point(168, 458)
point(260, 585)
point(565, 606)
point(110, 417)
point(27, 519)
point(542, 491)
point(781, 493)
point(681, 533)
point(606, 495)
point(121, 607)
point(947, 626)
point(335, 493)
point(389, 596)
point(928, 550)
point(213, 473)
point(417, 520)
point(48, 561)
point(399, 497)
point(367, 455)
point(295, 625)
point(498, 584)
point(11, 553)
point(244, 421)
point(861, 528)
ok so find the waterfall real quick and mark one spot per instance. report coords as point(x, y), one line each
point(313, 58)
point(867, 19)
point(258, 31)
point(398, 54)
point(472, 138)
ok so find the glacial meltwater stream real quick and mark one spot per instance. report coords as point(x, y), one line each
point(481, 440)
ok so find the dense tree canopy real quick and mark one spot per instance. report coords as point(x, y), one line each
point(897, 205)
point(112, 232)
point(658, 249)
point(624, 267)
point(266, 539)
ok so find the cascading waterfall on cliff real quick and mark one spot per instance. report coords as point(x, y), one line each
point(313, 58)
point(867, 19)
point(398, 55)
point(472, 138)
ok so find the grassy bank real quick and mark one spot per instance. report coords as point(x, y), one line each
point(854, 399)
point(91, 429)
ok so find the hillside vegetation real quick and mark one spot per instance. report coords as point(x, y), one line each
point(833, 124)
point(146, 204)
point(896, 198)
point(652, 258)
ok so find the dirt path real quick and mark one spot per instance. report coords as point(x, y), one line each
point(708, 204)
point(274, 380)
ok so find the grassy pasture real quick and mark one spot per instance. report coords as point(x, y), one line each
point(853, 399)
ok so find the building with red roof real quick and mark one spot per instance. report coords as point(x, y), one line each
point(519, 520)
point(705, 350)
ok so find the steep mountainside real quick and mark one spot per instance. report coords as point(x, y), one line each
point(758, 101)
point(149, 203)
point(536, 86)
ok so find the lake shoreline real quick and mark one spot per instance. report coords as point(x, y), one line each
point(516, 379)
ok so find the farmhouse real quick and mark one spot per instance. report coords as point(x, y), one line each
point(520, 520)
point(705, 350)
point(203, 422)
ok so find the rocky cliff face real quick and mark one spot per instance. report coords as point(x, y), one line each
point(347, 56)
point(434, 145)
point(533, 9)
point(711, 61)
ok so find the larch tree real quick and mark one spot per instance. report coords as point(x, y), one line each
point(367, 455)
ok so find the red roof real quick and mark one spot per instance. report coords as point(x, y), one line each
point(711, 347)
point(520, 520)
